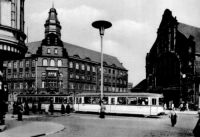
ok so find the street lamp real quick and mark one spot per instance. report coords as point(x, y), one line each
point(101, 25)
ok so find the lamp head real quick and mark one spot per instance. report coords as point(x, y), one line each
point(101, 25)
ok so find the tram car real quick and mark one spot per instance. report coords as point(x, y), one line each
point(147, 104)
point(46, 99)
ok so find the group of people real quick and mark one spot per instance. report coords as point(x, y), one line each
point(23, 109)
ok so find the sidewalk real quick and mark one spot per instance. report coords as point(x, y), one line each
point(182, 112)
point(30, 129)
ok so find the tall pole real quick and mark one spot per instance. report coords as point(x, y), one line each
point(101, 67)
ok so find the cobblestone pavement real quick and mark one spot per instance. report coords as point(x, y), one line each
point(89, 125)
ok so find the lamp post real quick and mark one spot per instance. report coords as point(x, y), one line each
point(101, 25)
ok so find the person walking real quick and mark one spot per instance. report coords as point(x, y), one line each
point(173, 116)
point(62, 109)
point(14, 108)
point(102, 110)
point(51, 108)
point(26, 108)
point(20, 111)
point(33, 108)
point(196, 130)
point(68, 109)
point(39, 108)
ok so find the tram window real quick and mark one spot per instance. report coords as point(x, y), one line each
point(56, 100)
point(87, 100)
point(153, 101)
point(105, 100)
point(95, 100)
point(112, 100)
point(19, 99)
point(121, 100)
point(132, 101)
point(142, 101)
point(60, 100)
point(30, 99)
point(65, 100)
point(78, 100)
point(51, 99)
point(161, 101)
point(70, 101)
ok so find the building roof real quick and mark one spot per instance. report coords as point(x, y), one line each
point(188, 30)
point(82, 53)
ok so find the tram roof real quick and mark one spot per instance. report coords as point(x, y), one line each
point(122, 94)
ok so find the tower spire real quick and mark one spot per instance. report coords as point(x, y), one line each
point(53, 4)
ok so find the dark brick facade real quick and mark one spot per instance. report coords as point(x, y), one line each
point(171, 66)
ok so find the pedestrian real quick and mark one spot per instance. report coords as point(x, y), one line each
point(68, 109)
point(173, 117)
point(33, 108)
point(62, 109)
point(20, 111)
point(181, 107)
point(46, 108)
point(187, 106)
point(14, 108)
point(172, 105)
point(39, 108)
point(26, 108)
point(102, 110)
point(51, 108)
point(196, 130)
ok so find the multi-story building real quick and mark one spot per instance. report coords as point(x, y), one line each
point(52, 66)
point(172, 64)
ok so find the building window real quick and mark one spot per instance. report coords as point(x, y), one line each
point(77, 76)
point(43, 84)
point(27, 75)
point(15, 64)
point(27, 63)
point(83, 67)
point(60, 84)
point(56, 51)
point(77, 66)
point(21, 64)
point(83, 77)
point(93, 69)
point(20, 75)
point(70, 64)
point(52, 62)
point(9, 65)
point(33, 74)
point(48, 51)
point(71, 75)
point(43, 74)
point(15, 75)
point(113, 71)
point(88, 68)
point(44, 62)
point(61, 74)
point(71, 86)
point(33, 63)
point(21, 85)
point(94, 78)
point(59, 63)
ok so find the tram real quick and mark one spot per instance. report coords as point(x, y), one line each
point(46, 99)
point(147, 104)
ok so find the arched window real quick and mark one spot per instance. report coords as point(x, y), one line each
point(44, 62)
point(59, 63)
point(52, 62)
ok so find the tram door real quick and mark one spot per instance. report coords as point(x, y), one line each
point(153, 106)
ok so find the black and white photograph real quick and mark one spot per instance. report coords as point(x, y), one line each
point(99, 68)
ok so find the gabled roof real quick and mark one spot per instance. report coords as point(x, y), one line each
point(188, 30)
point(83, 53)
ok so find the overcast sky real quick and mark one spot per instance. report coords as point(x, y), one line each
point(133, 31)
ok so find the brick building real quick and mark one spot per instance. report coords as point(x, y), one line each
point(52, 66)
point(173, 62)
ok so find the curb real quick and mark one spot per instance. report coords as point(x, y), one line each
point(2, 128)
point(44, 134)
